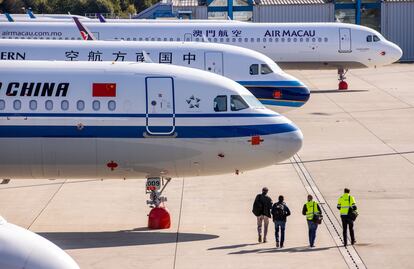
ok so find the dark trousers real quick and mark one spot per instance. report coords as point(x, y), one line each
point(346, 221)
point(312, 226)
point(282, 226)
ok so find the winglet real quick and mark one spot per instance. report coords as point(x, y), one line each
point(85, 33)
point(30, 13)
point(9, 17)
point(147, 58)
point(100, 17)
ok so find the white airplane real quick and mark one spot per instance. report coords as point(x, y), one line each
point(258, 73)
point(128, 120)
point(292, 45)
point(23, 249)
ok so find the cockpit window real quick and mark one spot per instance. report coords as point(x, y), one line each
point(376, 38)
point(265, 69)
point(369, 38)
point(254, 69)
point(220, 103)
point(237, 103)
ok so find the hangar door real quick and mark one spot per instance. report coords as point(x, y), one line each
point(345, 40)
point(160, 111)
point(214, 62)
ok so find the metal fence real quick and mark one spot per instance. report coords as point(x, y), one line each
point(294, 13)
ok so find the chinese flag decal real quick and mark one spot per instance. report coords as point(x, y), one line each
point(256, 140)
point(104, 90)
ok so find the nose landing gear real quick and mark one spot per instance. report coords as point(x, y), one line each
point(159, 217)
point(343, 85)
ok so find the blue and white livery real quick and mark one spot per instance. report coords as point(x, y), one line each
point(128, 120)
point(255, 71)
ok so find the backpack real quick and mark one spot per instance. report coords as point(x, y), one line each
point(279, 212)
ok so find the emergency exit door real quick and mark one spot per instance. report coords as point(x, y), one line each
point(214, 62)
point(160, 111)
point(345, 40)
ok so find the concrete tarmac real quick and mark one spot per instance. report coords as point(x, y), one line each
point(362, 138)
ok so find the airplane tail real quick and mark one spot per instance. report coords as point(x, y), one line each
point(85, 33)
point(100, 17)
point(9, 17)
point(30, 14)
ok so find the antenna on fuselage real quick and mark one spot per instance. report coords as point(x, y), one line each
point(100, 17)
point(29, 12)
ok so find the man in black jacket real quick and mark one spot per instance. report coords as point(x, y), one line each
point(280, 211)
point(261, 209)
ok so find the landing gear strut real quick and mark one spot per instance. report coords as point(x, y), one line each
point(159, 217)
point(342, 83)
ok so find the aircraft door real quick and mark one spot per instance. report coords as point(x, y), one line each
point(345, 40)
point(214, 62)
point(160, 111)
point(188, 37)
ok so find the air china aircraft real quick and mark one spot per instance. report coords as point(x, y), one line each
point(21, 248)
point(128, 120)
point(259, 74)
point(292, 45)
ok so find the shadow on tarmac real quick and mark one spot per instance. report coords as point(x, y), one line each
point(233, 246)
point(135, 237)
point(282, 250)
point(336, 91)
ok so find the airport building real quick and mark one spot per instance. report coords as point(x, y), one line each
point(393, 18)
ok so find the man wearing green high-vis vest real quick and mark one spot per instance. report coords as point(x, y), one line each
point(347, 204)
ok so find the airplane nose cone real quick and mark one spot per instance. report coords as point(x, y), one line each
point(395, 52)
point(290, 142)
point(21, 248)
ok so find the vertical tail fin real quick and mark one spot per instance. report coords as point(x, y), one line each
point(9, 17)
point(85, 33)
point(101, 17)
point(30, 14)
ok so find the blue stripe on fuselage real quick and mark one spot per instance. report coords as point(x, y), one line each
point(138, 131)
point(123, 115)
point(289, 91)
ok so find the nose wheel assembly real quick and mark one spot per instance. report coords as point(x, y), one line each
point(343, 85)
point(159, 217)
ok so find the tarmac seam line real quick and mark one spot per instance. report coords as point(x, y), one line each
point(178, 225)
point(370, 131)
point(350, 255)
point(47, 204)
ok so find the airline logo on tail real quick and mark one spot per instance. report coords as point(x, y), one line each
point(84, 32)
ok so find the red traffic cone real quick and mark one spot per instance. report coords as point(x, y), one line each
point(159, 218)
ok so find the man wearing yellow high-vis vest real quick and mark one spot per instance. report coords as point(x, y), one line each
point(310, 209)
point(345, 203)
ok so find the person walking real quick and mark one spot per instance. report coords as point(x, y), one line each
point(261, 209)
point(347, 204)
point(280, 212)
point(313, 214)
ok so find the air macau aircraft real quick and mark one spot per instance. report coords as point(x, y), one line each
point(291, 45)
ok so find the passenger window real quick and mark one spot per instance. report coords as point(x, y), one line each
point(111, 105)
point(265, 69)
point(369, 38)
point(237, 103)
point(252, 40)
point(258, 39)
point(80, 105)
point(220, 103)
point(64, 105)
point(17, 105)
point(49, 105)
point(33, 105)
point(2, 105)
point(254, 69)
point(246, 39)
point(376, 38)
point(96, 105)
